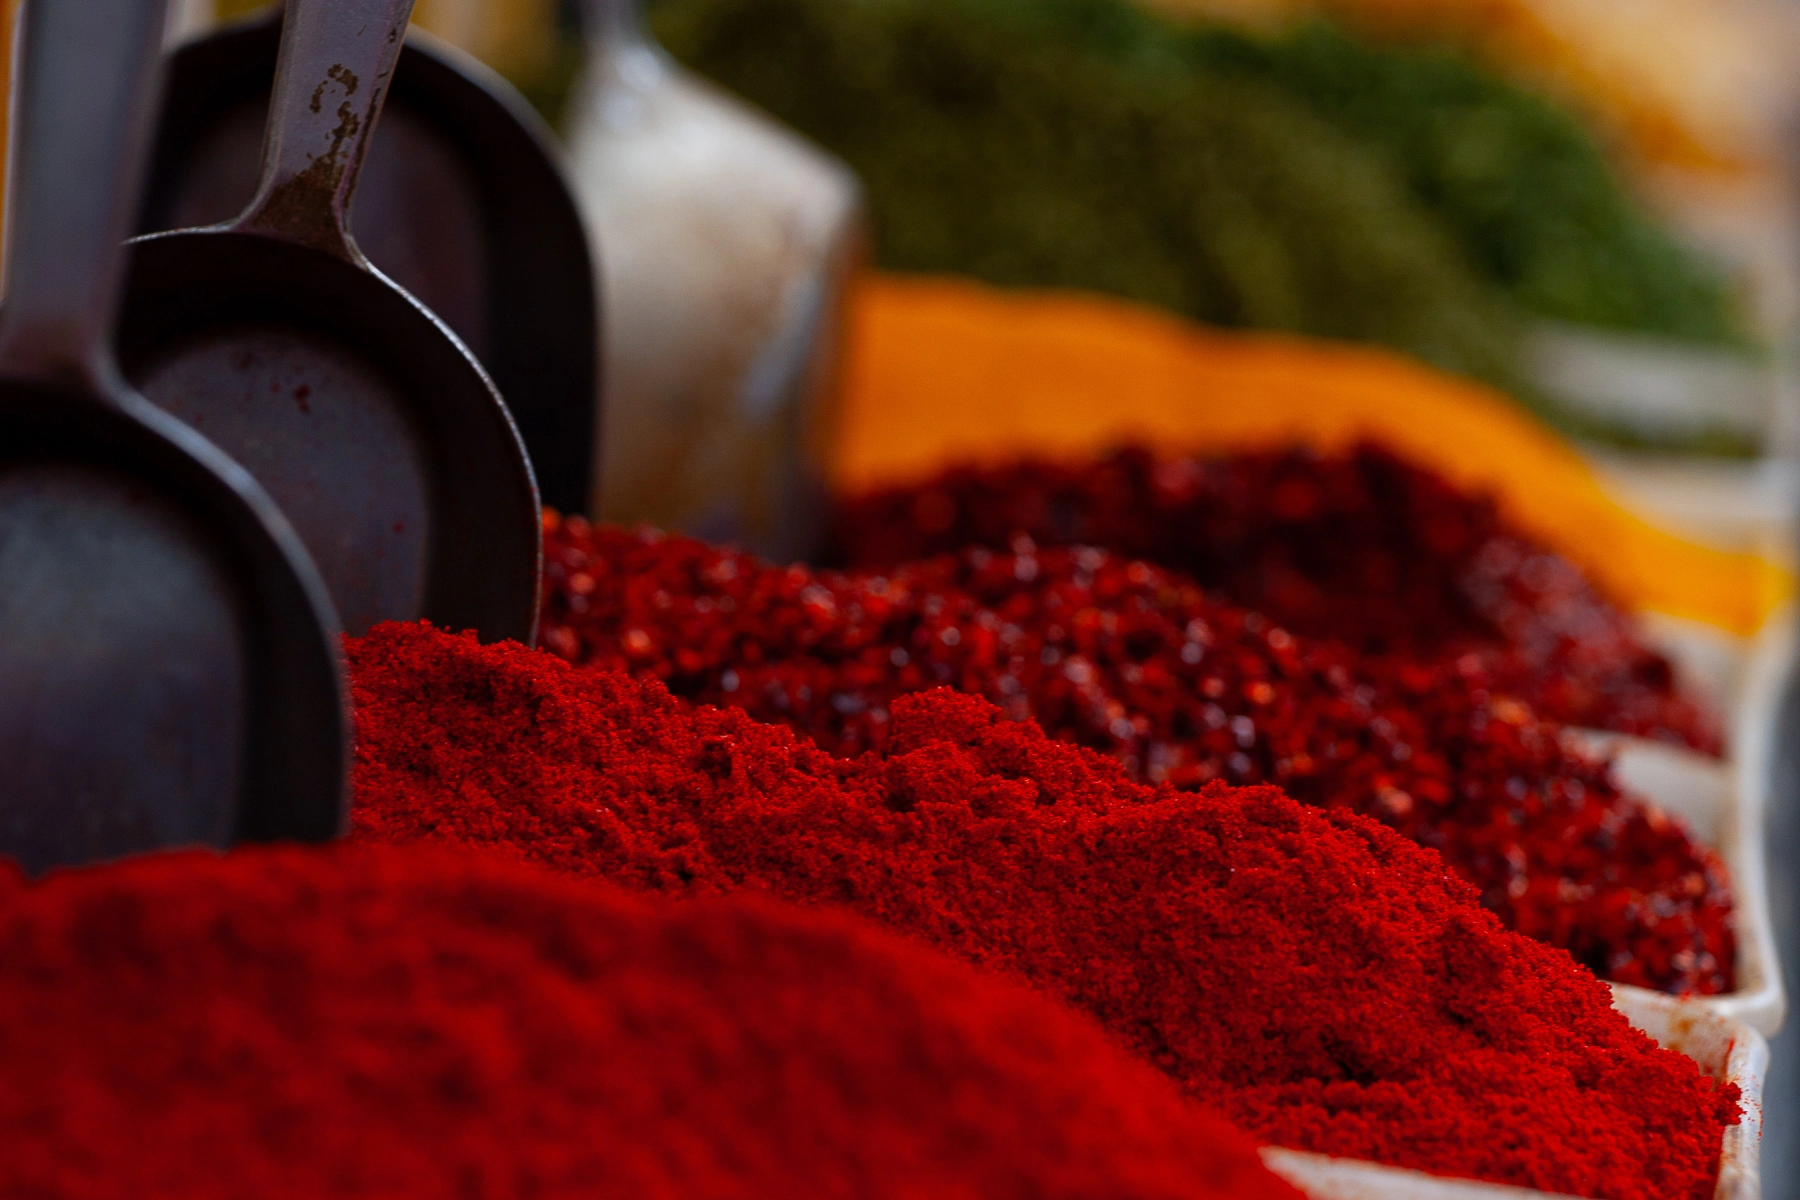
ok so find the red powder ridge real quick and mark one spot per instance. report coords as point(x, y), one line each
point(390, 1022)
point(1324, 982)
point(1139, 663)
point(1363, 547)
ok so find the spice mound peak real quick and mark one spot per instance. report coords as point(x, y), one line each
point(1320, 979)
point(386, 1021)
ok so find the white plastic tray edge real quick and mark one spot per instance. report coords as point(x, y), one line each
point(1740, 1164)
point(1726, 1048)
point(1325, 1178)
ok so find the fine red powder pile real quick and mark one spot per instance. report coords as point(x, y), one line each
point(386, 1022)
point(1140, 664)
point(1363, 548)
point(1324, 982)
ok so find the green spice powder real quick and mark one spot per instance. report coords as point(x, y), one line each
point(1308, 182)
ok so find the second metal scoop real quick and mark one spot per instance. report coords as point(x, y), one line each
point(462, 203)
point(361, 413)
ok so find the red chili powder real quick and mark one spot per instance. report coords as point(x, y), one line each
point(1323, 981)
point(1363, 548)
point(392, 1022)
point(1142, 665)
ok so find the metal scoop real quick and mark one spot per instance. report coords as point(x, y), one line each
point(362, 414)
point(462, 203)
point(727, 246)
point(168, 657)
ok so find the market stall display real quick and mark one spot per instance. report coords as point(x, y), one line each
point(1189, 748)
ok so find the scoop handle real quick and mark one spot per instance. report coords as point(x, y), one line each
point(336, 61)
point(86, 97)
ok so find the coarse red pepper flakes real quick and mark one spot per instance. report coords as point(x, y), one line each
point(1141, 664)
point(1364, 548)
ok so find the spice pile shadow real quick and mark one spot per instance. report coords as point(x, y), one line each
point(1142, 665)
point(403, 1021)
point(1322, 981)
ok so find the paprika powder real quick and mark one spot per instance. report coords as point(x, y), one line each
point(1322, 981)
point(387, 1021)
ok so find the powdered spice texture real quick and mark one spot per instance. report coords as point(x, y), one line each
point(1141, 664)
point(1321, 980)
point(402, 1022)
point(1364, 548)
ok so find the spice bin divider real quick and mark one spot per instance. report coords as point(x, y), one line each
point(1729, 1050)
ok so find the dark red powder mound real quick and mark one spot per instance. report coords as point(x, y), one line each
point(406, 1023)
point(1323, 981)
point(1142, 665)
point(1363, 548)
